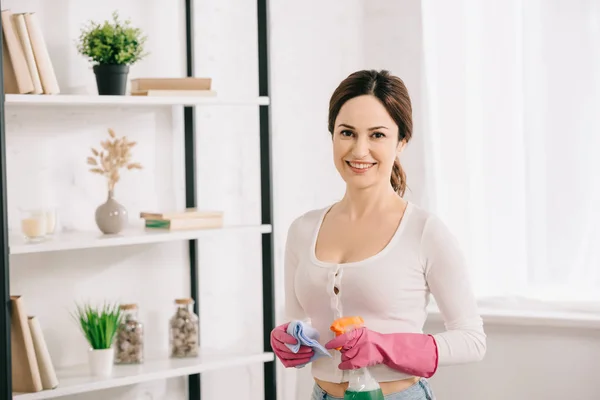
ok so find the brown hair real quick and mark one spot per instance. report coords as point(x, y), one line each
point(392, 92)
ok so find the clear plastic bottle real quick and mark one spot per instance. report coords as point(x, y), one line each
point(129, 343)
point(184, 328)
point(361, 384)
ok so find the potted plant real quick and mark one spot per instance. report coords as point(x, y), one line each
point(99, 326)
point(114, 155)
point(112, 47)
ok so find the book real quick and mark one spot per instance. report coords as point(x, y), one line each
point(19, 79)
point(47, 372)
point(187, 83)
point(23, 34)
point(40, 52)
point(157, 92)
point(186, 213)
point(10, 78)
point(25, 369)
point(185, 223)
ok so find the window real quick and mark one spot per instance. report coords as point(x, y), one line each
point(513, 141)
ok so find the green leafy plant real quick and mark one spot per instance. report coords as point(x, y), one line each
point(112, 42)
point(99, 325)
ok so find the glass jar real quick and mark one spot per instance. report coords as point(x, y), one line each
point(129, 343)
point(51, 221)
point(33, 225)
point(184, 333)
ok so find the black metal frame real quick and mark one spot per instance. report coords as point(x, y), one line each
point(5, 355)
point(266, 192)
point(194, 383)
point(191, 200)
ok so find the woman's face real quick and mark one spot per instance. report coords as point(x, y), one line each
point(365, 143)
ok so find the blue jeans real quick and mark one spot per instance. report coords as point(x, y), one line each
point(419, 391)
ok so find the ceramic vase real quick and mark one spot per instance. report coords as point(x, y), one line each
point(101, 361)
point(111, 217)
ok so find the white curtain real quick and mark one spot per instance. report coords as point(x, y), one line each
point(512, 105)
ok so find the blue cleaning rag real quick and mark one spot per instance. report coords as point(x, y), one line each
point(308, 336)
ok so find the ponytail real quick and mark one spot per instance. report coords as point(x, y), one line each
point(398, 178)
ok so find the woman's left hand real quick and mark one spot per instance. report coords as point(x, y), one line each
point(411, 353)
point(358, 348)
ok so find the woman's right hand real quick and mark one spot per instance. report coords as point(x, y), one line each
point(279, 339)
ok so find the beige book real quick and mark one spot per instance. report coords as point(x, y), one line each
point(186, 83)
point(23, 34)
point(10, 79)
point(40, 52)
point(24, 83)
point(154, 92)
point(186, 213)
point(25, 370)
point(47, 372)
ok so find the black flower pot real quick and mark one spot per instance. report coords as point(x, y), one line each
point(111, 79)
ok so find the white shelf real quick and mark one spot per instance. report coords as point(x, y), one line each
point(127, 100)
point(77, 380)
point(133, 236)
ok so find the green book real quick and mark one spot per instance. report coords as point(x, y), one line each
point(157, 223)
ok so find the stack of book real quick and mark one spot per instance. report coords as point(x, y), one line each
point(172, 87)
point(27, 65)
point(190, 218)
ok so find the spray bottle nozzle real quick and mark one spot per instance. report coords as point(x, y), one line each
point(346, 324)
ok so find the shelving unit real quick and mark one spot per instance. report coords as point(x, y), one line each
point(75, 380)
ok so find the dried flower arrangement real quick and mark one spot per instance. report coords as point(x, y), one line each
point(115, 154)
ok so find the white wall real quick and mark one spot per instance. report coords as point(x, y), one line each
point(522, 363)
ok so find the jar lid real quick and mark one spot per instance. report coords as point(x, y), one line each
point(185, 300)
point(130, 306)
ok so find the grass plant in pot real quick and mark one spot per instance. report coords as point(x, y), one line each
point(99, 326)
point(112, 47)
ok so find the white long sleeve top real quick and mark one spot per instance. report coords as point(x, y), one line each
point(389, 290)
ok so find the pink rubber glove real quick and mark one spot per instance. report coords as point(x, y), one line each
point(279, 338)
point(412, 353)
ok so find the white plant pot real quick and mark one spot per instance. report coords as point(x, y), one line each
point(101, 361)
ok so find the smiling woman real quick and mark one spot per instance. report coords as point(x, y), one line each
point(359, 111)
point(376, 256)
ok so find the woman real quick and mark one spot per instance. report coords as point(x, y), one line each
point(377, 256)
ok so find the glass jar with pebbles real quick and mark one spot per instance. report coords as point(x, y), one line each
point(184, 333)
point(129, 343)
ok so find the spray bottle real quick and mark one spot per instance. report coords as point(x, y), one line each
point(361, 384)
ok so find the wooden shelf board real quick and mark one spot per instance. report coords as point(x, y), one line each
point(127, 100)
point(132, 236)
point(76, 379)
